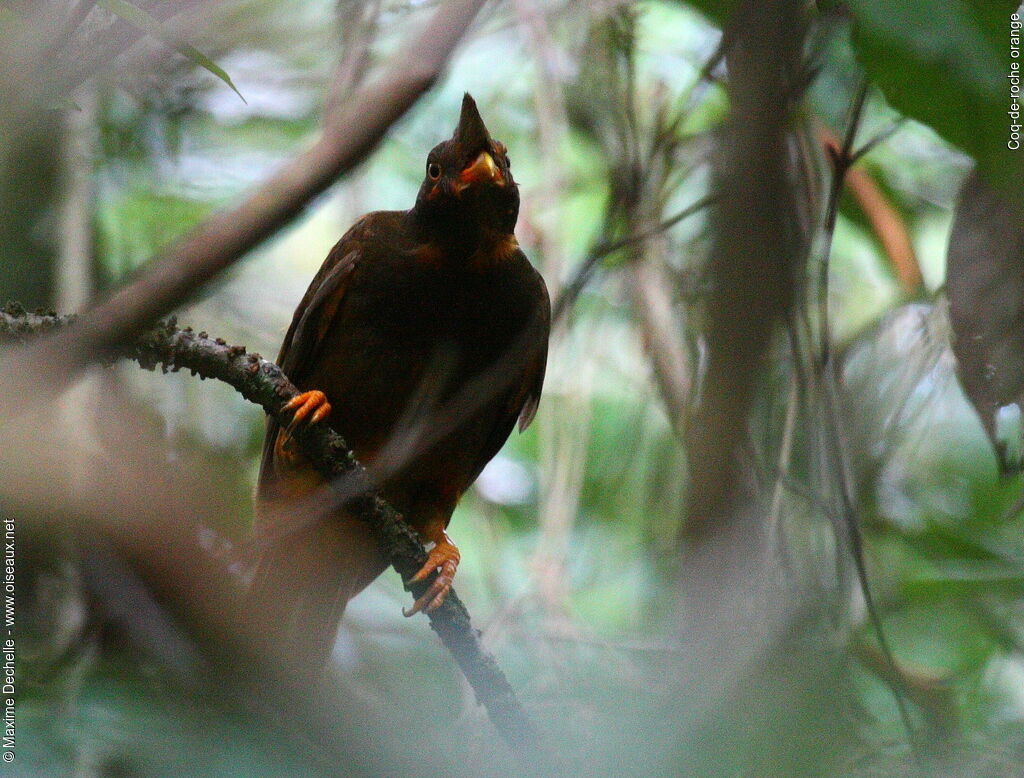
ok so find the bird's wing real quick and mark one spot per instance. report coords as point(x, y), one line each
point(534, 382)
point(310, 323)
point(524, 396)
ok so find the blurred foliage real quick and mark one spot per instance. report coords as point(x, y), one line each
point(593, 655)
point(914, 52)
point(148, 24)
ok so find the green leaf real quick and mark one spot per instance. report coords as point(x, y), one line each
point(139, 18)
point(946, 63)
point(717, 11)
point(985, 286)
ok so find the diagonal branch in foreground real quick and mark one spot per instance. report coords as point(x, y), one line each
point(349, 133)
point(263, 383)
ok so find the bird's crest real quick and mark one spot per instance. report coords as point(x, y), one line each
point(471, 134)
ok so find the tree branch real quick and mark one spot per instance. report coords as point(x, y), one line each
point(349, 134)
point(757, 238)
point(262, 382)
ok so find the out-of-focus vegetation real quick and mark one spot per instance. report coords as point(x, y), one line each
point(571, 537)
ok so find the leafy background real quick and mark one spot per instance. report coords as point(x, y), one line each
point(570, 538)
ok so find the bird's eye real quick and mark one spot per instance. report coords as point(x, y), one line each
point(434, 170)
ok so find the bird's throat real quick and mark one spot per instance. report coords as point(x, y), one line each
point(458, 242)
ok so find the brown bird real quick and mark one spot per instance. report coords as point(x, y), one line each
point(422, 340)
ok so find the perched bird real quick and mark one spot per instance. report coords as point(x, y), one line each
point(422, 340)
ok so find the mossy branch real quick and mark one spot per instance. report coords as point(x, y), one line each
point(262, 382)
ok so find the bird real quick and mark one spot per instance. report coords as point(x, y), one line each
point(423, 342)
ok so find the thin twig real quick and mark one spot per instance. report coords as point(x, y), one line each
point(878, 139)
point(888, 225)
point(835, 445)
point(587, 267)
point(841, 162)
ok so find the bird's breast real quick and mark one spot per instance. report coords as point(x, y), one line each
point(423, 306)
point(412, 338)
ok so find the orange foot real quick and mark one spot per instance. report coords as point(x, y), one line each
point(313, 402)
point(444, 558)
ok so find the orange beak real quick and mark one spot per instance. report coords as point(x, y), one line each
point(483, 168)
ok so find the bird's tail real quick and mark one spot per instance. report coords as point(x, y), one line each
point(303, 580)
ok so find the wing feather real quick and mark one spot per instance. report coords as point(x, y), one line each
point(525, 398)
point(312, 319)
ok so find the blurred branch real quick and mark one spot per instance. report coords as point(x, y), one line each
point(74, 20)
point(775, 525)
point(757, 238)
point(147, 513)
point(742, 618)
point(661, 333)
point(359, 21)
point(74, 280)
point(349, 134)
point(263, 383)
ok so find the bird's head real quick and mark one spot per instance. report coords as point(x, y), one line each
point(468, 189)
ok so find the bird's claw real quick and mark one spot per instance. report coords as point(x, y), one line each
point(443, 558)
point(312, 404)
